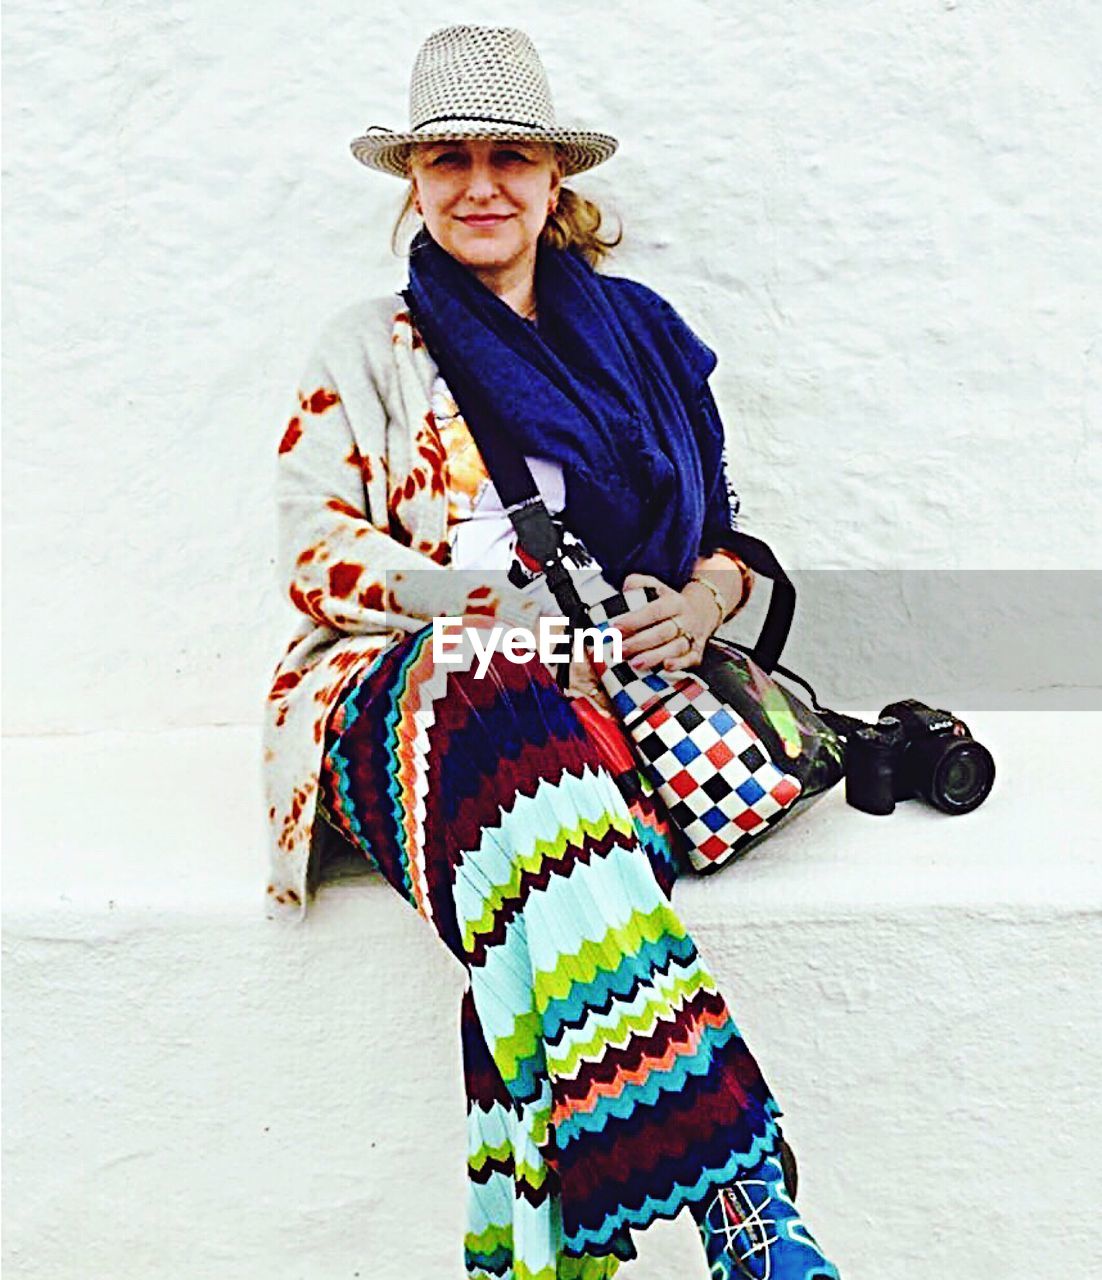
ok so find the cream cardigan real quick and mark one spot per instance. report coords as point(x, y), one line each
point(361, 488)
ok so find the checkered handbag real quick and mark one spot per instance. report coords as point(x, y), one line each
point(706, 740)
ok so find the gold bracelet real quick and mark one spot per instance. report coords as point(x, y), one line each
point(716, 596)
point(747, 580)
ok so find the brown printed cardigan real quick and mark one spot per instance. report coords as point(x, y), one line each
point(361, 489)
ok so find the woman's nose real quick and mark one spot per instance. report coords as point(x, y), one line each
point(482, 180)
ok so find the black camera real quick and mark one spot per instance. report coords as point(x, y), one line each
point(916, 750)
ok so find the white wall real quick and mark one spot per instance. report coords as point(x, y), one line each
point(883, 217)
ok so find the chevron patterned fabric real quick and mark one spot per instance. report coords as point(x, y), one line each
point(607, 1083)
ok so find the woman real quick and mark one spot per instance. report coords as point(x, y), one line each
point(607, 1083)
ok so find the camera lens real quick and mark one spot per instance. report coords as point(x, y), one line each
point(956, 776)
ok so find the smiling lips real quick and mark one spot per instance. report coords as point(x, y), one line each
point(484, 219)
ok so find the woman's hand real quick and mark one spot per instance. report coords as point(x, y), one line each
point(671, 631)
point(583, 682)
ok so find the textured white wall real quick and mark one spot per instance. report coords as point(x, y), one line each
point(883, 216)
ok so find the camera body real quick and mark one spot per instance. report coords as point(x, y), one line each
point(917, 751)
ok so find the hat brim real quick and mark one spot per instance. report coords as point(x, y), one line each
point(388, 152)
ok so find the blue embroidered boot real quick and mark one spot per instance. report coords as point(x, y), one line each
point(752, 1230)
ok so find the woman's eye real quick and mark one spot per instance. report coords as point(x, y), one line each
point(514, 155)
point(446, 158)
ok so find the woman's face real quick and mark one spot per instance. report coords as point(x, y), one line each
point(485, 201)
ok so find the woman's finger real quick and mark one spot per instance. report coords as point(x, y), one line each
point(647, 615)
point(583, 682)
point(679, 646)
point(637, 580)
point(651, 637)
point(653, 610)
point(682, 662)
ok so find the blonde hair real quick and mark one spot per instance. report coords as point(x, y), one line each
point(574, 223)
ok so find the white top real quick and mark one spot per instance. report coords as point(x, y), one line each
point(486, 539)
point(479, 530)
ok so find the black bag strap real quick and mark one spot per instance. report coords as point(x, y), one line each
point(537, 533)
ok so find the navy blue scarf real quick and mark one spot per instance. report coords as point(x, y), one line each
point(612, 385)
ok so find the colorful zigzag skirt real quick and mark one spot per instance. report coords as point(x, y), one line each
point(607, 1084)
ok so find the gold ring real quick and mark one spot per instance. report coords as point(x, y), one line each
point(680, 631)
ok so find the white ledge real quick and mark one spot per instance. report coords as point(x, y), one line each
point(194, 1090)
point(168, 823)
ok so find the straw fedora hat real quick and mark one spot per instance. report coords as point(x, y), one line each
point(479, 82)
